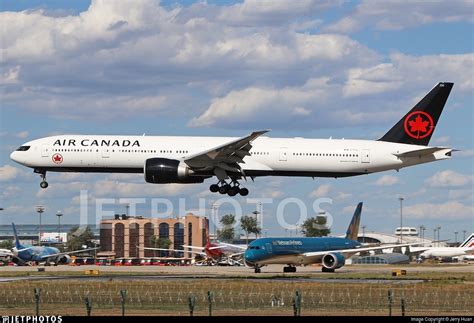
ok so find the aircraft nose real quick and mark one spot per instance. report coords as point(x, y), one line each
point(14, 156)
point(249, 258)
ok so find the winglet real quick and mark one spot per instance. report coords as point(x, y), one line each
point(353, 229)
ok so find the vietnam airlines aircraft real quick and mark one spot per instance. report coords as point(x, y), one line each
point(330, 252)
point(22, 254)
point(165, 160)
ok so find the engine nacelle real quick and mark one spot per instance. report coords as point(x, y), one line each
point(166, 171)
point(333, 261)
point(64, 259)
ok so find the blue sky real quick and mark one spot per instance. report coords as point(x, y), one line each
point(308, 68)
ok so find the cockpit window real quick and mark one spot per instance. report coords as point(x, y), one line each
point(23, 148)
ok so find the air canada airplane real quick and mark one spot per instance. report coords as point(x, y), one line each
point(186, 160)
point(330, 252)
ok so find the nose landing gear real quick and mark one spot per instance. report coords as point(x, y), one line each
point(44, 183)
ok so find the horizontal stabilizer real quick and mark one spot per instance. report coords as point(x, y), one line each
point(420, 152)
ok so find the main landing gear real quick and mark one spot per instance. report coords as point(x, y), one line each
point(42, 173)
point(230, 189)
point(257, 269)
point(289, 269)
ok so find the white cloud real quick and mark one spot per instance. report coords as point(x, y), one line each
point(10, 191)
point(396, 15)
point(321, 191)
point(441, 140)
point(270, 12)
point(449, 178)
point(8, 173)
point(461, 194)
point(387, 180)
point(22, 134)
point(392, 76)
point(452, 210)
point(116, 189)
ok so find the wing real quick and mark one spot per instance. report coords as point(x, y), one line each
point(175, 250)
point(350, 252)
point(236, 246)
point(224, 158)
point(66, 253)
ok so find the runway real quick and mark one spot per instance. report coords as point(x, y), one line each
point(232, 271)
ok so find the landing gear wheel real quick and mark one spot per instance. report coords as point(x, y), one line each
point(289, 269)
point(257, 270)
point(224, 189)
point(214, 188)
point(243, 191)
point(233, 191)
point(326, 270)
point(42, 173)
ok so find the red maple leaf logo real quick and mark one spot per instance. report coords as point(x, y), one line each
point(418, 125)
point(57, 158)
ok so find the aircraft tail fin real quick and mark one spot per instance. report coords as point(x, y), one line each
point(418, 125)
point(208, 240)
point(469, 242)
point(353, 229)
point(17, 241)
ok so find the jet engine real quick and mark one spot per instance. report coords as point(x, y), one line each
point(333, 261)
point(64, 259)
point(165, 171)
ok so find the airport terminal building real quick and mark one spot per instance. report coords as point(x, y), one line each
point(126, 236)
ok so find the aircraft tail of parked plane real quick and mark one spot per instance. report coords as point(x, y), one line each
point(417, 126)
point(18, 246)
point(353, 229)
point(469, 242)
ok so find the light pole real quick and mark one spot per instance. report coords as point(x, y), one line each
point(456, 237)
point(463, 235)
point(422, 232)
point(401, 219)
point(40, 209)
point(434, 234)
point(363, 233)
point(214, 218)
point(439, 229)
point(256, 213)
point(59, 215)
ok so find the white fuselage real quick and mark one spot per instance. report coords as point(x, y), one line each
point(269, 156)
point(442, 252)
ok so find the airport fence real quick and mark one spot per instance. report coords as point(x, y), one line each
point(242, 297)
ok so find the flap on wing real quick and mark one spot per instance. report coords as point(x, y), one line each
point(231, 152)
point(420, 152)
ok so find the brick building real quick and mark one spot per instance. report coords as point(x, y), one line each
point(125, 237)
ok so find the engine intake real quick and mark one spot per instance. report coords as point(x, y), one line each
point(333, 261)
point(65, 259)
point(166, 171)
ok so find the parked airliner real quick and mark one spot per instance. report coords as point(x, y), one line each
point(193, 159)
point(330, 252)
point(23, 254)
point(466, 248)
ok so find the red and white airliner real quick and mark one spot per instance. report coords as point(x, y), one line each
point(184, 159)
